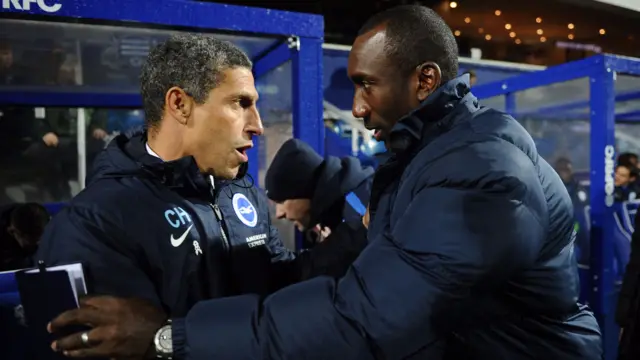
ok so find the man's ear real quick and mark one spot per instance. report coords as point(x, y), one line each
point(428, 77)
point(179, 104)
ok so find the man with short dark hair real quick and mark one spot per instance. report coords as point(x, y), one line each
point(628, 159)
point(470, 262)
point(625, 178)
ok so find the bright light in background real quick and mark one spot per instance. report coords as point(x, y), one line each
point(538, 20)
point(512, 34)
point(498, 12)
point(488, 37)
point(467, 20)
point(518, 41)
point(453, 4)
point(570, 26)
point(570, 36)
point(543, 39)
point(456, 33)
point(507, 26)
point(539, 32)
point(602, 32)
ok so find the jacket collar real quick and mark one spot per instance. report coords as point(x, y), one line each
point(180, 173)
point(434, 116)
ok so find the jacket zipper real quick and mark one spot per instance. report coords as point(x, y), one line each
point(218, 213)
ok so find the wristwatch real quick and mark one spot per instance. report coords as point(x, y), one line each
point(164, 342)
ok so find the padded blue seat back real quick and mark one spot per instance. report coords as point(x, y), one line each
point(54, 208)
point(621, 239)
point(582, 248)
point(628, 216)
point(583, 226)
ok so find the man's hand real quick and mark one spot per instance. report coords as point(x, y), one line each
point(99, 134)
point(321, 232)
point(121, 328)
point(50, 139)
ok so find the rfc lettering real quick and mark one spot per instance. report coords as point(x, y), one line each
point(609, 168)
point(25, 5)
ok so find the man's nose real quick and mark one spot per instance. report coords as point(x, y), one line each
point(254, 124)
point(360, 108)
point(280, 213)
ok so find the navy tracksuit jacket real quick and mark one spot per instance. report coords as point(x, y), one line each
point(161, 231)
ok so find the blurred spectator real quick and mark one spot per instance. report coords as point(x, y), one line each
point(580, 200)
point(37, 145)
point(579, 194)
point(54, 151)
point(473, 77)
point(6, 62)
point(628, 159)
point(325, 199)
point(625, 178)
point(106, 124)
point(21, 226)
point(16, 124)
point(310, 190)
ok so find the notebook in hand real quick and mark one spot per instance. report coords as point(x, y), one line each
point(45, 293)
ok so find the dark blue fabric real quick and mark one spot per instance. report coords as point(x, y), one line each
point(470, 256)
point(123, 224)
point(339, 178)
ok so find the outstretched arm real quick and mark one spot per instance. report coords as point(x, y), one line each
point(407, 288)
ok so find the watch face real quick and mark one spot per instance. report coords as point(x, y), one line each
point(164, 339)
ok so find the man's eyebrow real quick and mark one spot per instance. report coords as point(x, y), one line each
point(358, 78)
point(244, 95)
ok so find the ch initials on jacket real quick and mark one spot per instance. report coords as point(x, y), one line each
point(181, 221)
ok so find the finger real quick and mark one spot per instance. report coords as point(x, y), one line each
point(81, 316)
point(88, 300)
point(74, 341)
point(97, 301)
point(94, 352)
point(99, 345)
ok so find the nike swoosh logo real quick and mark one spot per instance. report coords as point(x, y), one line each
point(177, 242)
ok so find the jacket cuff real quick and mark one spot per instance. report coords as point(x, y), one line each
point(179, 339)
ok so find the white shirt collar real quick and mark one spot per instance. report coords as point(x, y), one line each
point(151, 152)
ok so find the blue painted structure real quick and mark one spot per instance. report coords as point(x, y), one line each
point(270, 37)
point(601, 72)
